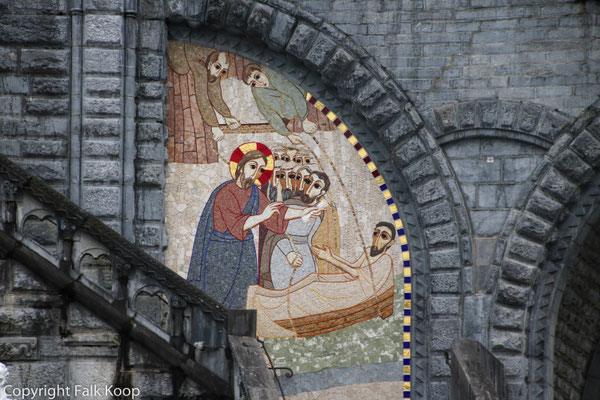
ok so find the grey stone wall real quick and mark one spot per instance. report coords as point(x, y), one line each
point(578, 324)
point(545, 52)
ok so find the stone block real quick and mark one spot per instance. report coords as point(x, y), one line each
point(103, 5)
point(150, 204)
point(409, 151)
point(382, 113)
point(23, 280)
point(49, 171)
point(511, 294)
point(152, 90)
point(369, 94)
point(443, 333)
point(37, 374)
point(301, 38)
point(14, 85)
point(420, 170)
point(50, 86)
point(319, 51)
point(476, 171)
point(444, 259)
point(484, 249)
point(543, 206)
point(38, 30)
point(40, 106)
point(519, 272)
point(488, 113)
point(150, 175)
point(98, 106)
point(439, 391)
point(508, 115)
point(156, 385)
point(339, 62)
point(259, 20)
point(507, 317)
point(467, 114)
point(237, 14)
point(152, 35)
point(38, 61)
point(429, 191)
point(446, 118)
point(102, 201)
point(439, 367)
point(104, 29)
point(29, 321)
point(400, 129)
point(531, 227)
point(445, 282)
point(101, 148)
point(80, 318)
point(148, 235)
point(105, 172)
point(574, 167)
point(518, 169)
point(150, 131)
point(103, 86)
point(102, 373)
point(151, 110)
point(526, 250)
point(350, 83)
point(558, 186)
point(10, 148)
point(588, 147)
point(506, 341)
point(44, 148)
point(487, 222)
point(102, 61)
point(281, 30)
point(442, 235)
point(476, 309)
point(437, 214)
point(8, 59)
point(101, 128)
point(500, 196)
point(552, 124)
point(529, 117)
point(151, 152)
point(150, 9)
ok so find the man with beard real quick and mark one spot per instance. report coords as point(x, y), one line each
point(286, 258)
point(330, 297)
point(223, 262)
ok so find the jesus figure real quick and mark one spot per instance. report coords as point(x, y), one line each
point(223, 262)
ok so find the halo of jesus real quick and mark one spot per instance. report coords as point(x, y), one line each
point(272, 204)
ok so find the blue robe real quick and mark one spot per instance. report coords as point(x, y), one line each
point(222, 265)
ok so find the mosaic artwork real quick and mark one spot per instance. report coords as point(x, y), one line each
point(273, 205)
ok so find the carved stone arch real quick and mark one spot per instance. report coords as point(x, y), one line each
point(95, 264)
point(40, 225)
point(154, 304)
point(328, 63)
point(521, 313)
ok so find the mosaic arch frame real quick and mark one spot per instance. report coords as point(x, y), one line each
point(406, 284)
point(342, 75)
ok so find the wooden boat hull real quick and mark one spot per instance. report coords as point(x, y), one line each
point(311, 325)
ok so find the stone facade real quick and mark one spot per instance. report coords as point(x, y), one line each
point(431, 90)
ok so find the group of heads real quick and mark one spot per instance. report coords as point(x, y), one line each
point(294, 175)
point(217, 64)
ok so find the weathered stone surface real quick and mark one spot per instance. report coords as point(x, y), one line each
point(533, 228)
point(150, 175)
point(8, 59)
point(436, 214)
point(507, 341)
point(444, 259)
point(24, 280)
point(102, 106)
point(574, 167)
point(103, 86)
point(446, 118)
point(150, 131)
point(507, 317)
point(409, 151)
point(400, 129)
point(103, 61)
point(50, 86)
point(429, 191)
point(102, 171)
point(551, 125)
point(525, 250)
point(301, 38)
point(444, 332)
point(35, 29)
point(543, 206)
point(47, 170)
point(45, 148)
point(281, 30)
point(39, 106)
point(442, 235)
point(105, 29)
point(511, 294)
point(339, 62)
point(151, 152)
point(101, 127)
point(83, 319)
point(558, 186)
point(259, 20)
point(519, 272)
point(420, 170)
point(101, 148)
point(529, 117)
point(588, 147)
point(445, 282)
point(102, 201)
point(29, 321)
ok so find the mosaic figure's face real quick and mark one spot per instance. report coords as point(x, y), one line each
point(382, 237)
point(315, 190)
point(218, 68)
point(254, 168)
point(258, 79)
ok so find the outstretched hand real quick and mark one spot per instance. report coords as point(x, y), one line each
point(271, 209)
point(311, 212)
point(321, 253)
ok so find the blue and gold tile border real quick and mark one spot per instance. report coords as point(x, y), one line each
point(399, 229)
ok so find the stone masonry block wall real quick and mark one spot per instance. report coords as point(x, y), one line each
point(442, 51)
point(578, 325)
point(35, 42)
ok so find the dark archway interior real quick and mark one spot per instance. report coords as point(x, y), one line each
point(577, 336)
